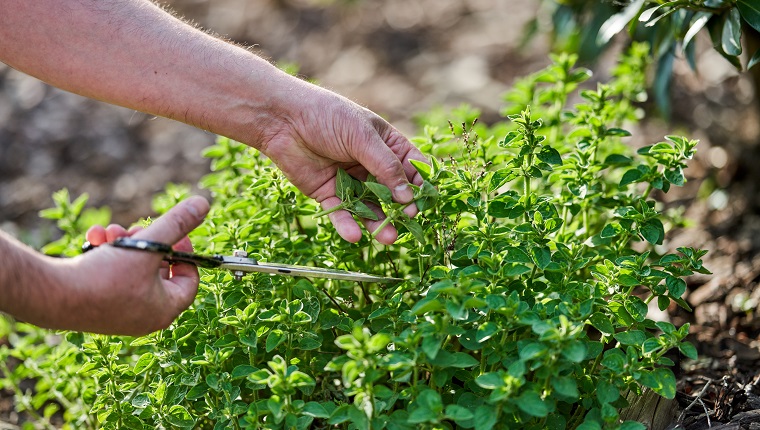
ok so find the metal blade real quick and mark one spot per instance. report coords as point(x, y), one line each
point(248, 265)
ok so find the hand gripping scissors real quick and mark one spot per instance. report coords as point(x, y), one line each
point(239, 264)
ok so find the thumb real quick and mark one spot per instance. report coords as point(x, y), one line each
point(175, 224)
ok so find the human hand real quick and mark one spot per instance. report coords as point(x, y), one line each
point(118, 291)
point(319, 132)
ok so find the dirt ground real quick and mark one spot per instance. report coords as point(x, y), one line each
point(399, 58)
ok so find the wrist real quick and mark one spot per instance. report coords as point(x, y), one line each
point(29, 284)
point(265, 104)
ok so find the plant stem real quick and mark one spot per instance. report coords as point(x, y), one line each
point(329, 211)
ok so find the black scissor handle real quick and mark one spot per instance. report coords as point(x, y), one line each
point(170, 255)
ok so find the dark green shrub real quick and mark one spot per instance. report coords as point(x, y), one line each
point(528, 277)
point(670, 27)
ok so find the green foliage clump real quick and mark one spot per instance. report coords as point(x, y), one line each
point(670, 28)
point(528, 277)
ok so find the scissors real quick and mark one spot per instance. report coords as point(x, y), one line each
point(239, 263)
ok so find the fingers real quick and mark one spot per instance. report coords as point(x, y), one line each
point(386, 236)
point(182, 288)
point(392, 173)
point(377, 157)
point(177, 222)
point(96, 235)
point(343, 221)
point(173, 227)
point(114, 232)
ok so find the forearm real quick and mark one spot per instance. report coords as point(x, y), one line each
point(28, 286)
point(132, 53)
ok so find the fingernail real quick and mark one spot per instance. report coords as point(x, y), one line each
point(198, 207)
point(193, 210)
point(411, 210)
point(404, 193)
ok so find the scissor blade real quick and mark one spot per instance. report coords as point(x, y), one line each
point(247, 265)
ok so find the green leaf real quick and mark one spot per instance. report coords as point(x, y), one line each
point(486, 331)
point(732, 33)
point(516, 255)
point(618, 132)
point(378, 342)
point(509, 138)
point(631, 337)
point(617, 159)
point(141, 401)
point(676, 286)
point(653, 231)
point(606, 392)
point(602, 323)
point(316, 410)
point(675, 176)
point(414, 228)
point(274, 339)
point(700, 20)
point(663, 302)
point(428, 304)
point(501, 177)
point(486, 417)
point(532, 404)
point(688, 350)
point(197, 392)
point(542, 256)
point(242, 371)
point(144, 363)
point(629, 177)
point(532, 350)
point(463, 360)
point(421, 415)
point(663, 77)
point(427, 196)
point(614, 359)
point(661, 380)
point(179, 417)
point(490, 381)
point(363, 211)
point(458, 413)
point(754, 60)
point(550, 155)
point(431, 345)
point(381, 191)
point(458, 359)
point(344, 185)
point(430, 399)
point(566, 386)
point(308, 344)
point(636, 308)
point(589, 425)
point(750, 12)
point(646, 15)
point(610, 230)
point(424, 168)
point(574, 351)
point(617, 22)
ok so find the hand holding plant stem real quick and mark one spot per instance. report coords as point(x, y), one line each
point(111, 290)
point(309, 132)
point(322, 134)
point(369, 199)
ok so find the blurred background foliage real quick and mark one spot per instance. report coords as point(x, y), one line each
point(670, 27)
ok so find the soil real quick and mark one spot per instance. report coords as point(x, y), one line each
point(399, 58)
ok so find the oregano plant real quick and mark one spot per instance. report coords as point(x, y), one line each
point(527, 280)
